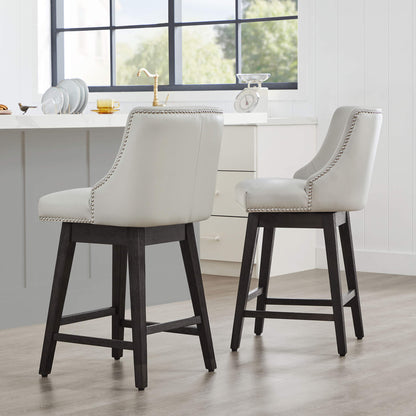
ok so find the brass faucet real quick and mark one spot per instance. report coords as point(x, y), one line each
point(155, 85)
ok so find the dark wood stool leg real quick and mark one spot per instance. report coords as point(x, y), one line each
point(119, 296)
point(63, 266)
point(196, 289)
point(330, 231)
point(264, 276)
point(137, 278)
point(351, 274)
point(245, 277)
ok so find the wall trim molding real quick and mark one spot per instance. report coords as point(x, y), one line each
point(376, 261)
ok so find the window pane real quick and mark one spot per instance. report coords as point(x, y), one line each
point(253, 9)
point(208, 54)
point(137, 48)
point(271, 47)
point(91, 13)
point(87, 56)
point(202, 10)
point(134, 12)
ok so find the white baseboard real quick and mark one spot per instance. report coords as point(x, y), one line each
point(224, 268)
point(376, 261)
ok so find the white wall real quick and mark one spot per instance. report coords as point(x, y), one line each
point(359, 52)
point(365, 55)
point(18, 52)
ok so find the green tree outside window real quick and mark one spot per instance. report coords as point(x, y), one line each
point(208, 52)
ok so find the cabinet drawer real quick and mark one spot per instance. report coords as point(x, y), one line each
point(238, 149)
point(222, 238)
point(224, 200)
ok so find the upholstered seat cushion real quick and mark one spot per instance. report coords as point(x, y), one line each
point(72, 205)
point(272, 194)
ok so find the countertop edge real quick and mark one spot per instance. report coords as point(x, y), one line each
point(96, 121)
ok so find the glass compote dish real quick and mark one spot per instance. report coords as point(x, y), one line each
point(253, 78)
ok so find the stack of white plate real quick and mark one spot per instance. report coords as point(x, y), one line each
point(70, 96)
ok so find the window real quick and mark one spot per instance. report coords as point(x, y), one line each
point(191, 44)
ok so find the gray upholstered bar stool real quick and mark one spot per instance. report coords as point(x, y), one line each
point(162, 180)
point(320, 195)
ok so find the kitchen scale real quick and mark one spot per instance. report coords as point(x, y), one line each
point(254, 97)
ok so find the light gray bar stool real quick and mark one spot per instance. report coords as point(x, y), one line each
point(161, 182)
point(320, 195)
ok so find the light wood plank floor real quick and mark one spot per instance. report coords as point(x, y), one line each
point(293, 369)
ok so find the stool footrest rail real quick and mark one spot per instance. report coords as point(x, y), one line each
point(289, 315)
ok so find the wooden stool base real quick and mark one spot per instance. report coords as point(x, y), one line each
point(128, 246)
point(329, 222)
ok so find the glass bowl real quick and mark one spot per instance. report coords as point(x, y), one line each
point(250, 78)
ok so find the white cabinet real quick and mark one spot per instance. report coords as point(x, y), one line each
point(276, 149)
point(222, 238)
point(238, 149)
point(224, 201)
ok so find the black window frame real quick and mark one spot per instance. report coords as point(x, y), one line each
point(57, 49)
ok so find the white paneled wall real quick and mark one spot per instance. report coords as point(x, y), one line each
point(400, 131)
point(365, 55)
point(376, 80)
point(414, 129)
point(18, 52)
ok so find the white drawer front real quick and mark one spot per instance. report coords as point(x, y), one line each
point(238, 149)
point(224, 200)
point(222, 238)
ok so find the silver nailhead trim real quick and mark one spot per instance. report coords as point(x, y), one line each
point(184, 110)
point(296, 209)
point(63, 219)
point(329, 167)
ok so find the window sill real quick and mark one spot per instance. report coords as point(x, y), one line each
point(193, 97)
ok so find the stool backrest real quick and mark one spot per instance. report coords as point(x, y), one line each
point(165, 170)
point(340, 173)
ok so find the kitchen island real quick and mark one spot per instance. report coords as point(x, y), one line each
point(47, 153)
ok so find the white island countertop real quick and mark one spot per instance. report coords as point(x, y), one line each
point(92, 121)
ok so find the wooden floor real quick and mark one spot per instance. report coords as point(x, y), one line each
point(293, 369)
